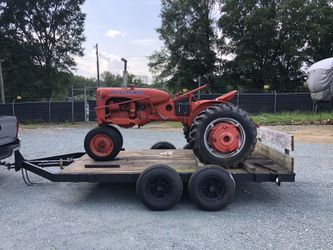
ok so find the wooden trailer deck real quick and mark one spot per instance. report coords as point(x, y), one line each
point(183, 161)
point(135, 161)
point(271, 157)
point(270, 162)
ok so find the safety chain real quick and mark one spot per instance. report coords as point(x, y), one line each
point(8, 165)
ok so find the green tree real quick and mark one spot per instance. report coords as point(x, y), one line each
point(115, 80)
point(188, 35)
point(319, 31)
point(81, 81)
point(48, 34)
point(111, 80)
point(270, 41)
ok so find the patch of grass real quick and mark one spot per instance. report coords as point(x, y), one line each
point(283, 118)
point(290, 118)
point(175, 124)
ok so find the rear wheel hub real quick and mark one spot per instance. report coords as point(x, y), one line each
point(224, 137)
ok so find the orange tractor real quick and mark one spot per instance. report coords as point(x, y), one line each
point(217, 131)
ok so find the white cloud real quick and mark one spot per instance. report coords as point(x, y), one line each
point(138, 65)
point(146, 42)
point(114, 33)
point(86, 66)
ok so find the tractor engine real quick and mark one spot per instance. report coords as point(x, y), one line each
point(127, 107)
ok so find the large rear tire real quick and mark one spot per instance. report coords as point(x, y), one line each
point(186, 131)
point(103, 143)
point(223, 135)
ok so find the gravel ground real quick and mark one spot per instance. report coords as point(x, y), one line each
point(103, 216)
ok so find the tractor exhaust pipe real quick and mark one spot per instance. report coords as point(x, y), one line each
point(125, 74)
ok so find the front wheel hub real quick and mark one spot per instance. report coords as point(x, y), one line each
point(101, 145)
point(224, 137)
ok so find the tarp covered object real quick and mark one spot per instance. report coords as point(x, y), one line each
point(320, 80)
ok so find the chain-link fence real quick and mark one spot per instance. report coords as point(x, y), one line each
point(83, 111)
point(47, 111)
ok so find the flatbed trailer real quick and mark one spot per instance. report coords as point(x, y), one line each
point(161, 174)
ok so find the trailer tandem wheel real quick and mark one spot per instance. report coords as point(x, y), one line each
point(159, 187)
point(211, 188)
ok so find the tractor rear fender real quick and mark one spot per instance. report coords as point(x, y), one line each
point(199, 106)
point(226, 97)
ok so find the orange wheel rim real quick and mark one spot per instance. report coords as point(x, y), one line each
point(101, 145)
point(224, 137)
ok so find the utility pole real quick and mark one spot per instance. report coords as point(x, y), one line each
point(2, 88)
point(97, 62)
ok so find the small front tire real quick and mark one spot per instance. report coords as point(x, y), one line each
point(103, 143)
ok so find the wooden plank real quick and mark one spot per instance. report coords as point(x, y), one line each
point(252, 168)
point(278, 157)
point(136, 161)
point(281, 139)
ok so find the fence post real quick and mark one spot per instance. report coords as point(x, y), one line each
point(314, 107)
point(87, 111)
point(237, 98)
point(73, 118)
point(85, 103)
point(275, 100)
point(13, 107)
point(50, 118)
point(199, 85)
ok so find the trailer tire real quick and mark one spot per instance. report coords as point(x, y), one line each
point(159, 187)
point(211, 188)
point(187, 146)
point(163, 145)
point(103, 143)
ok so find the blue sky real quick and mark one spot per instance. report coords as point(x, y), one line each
point(123, 28)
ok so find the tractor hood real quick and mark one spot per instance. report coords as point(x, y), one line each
point(156, 96)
